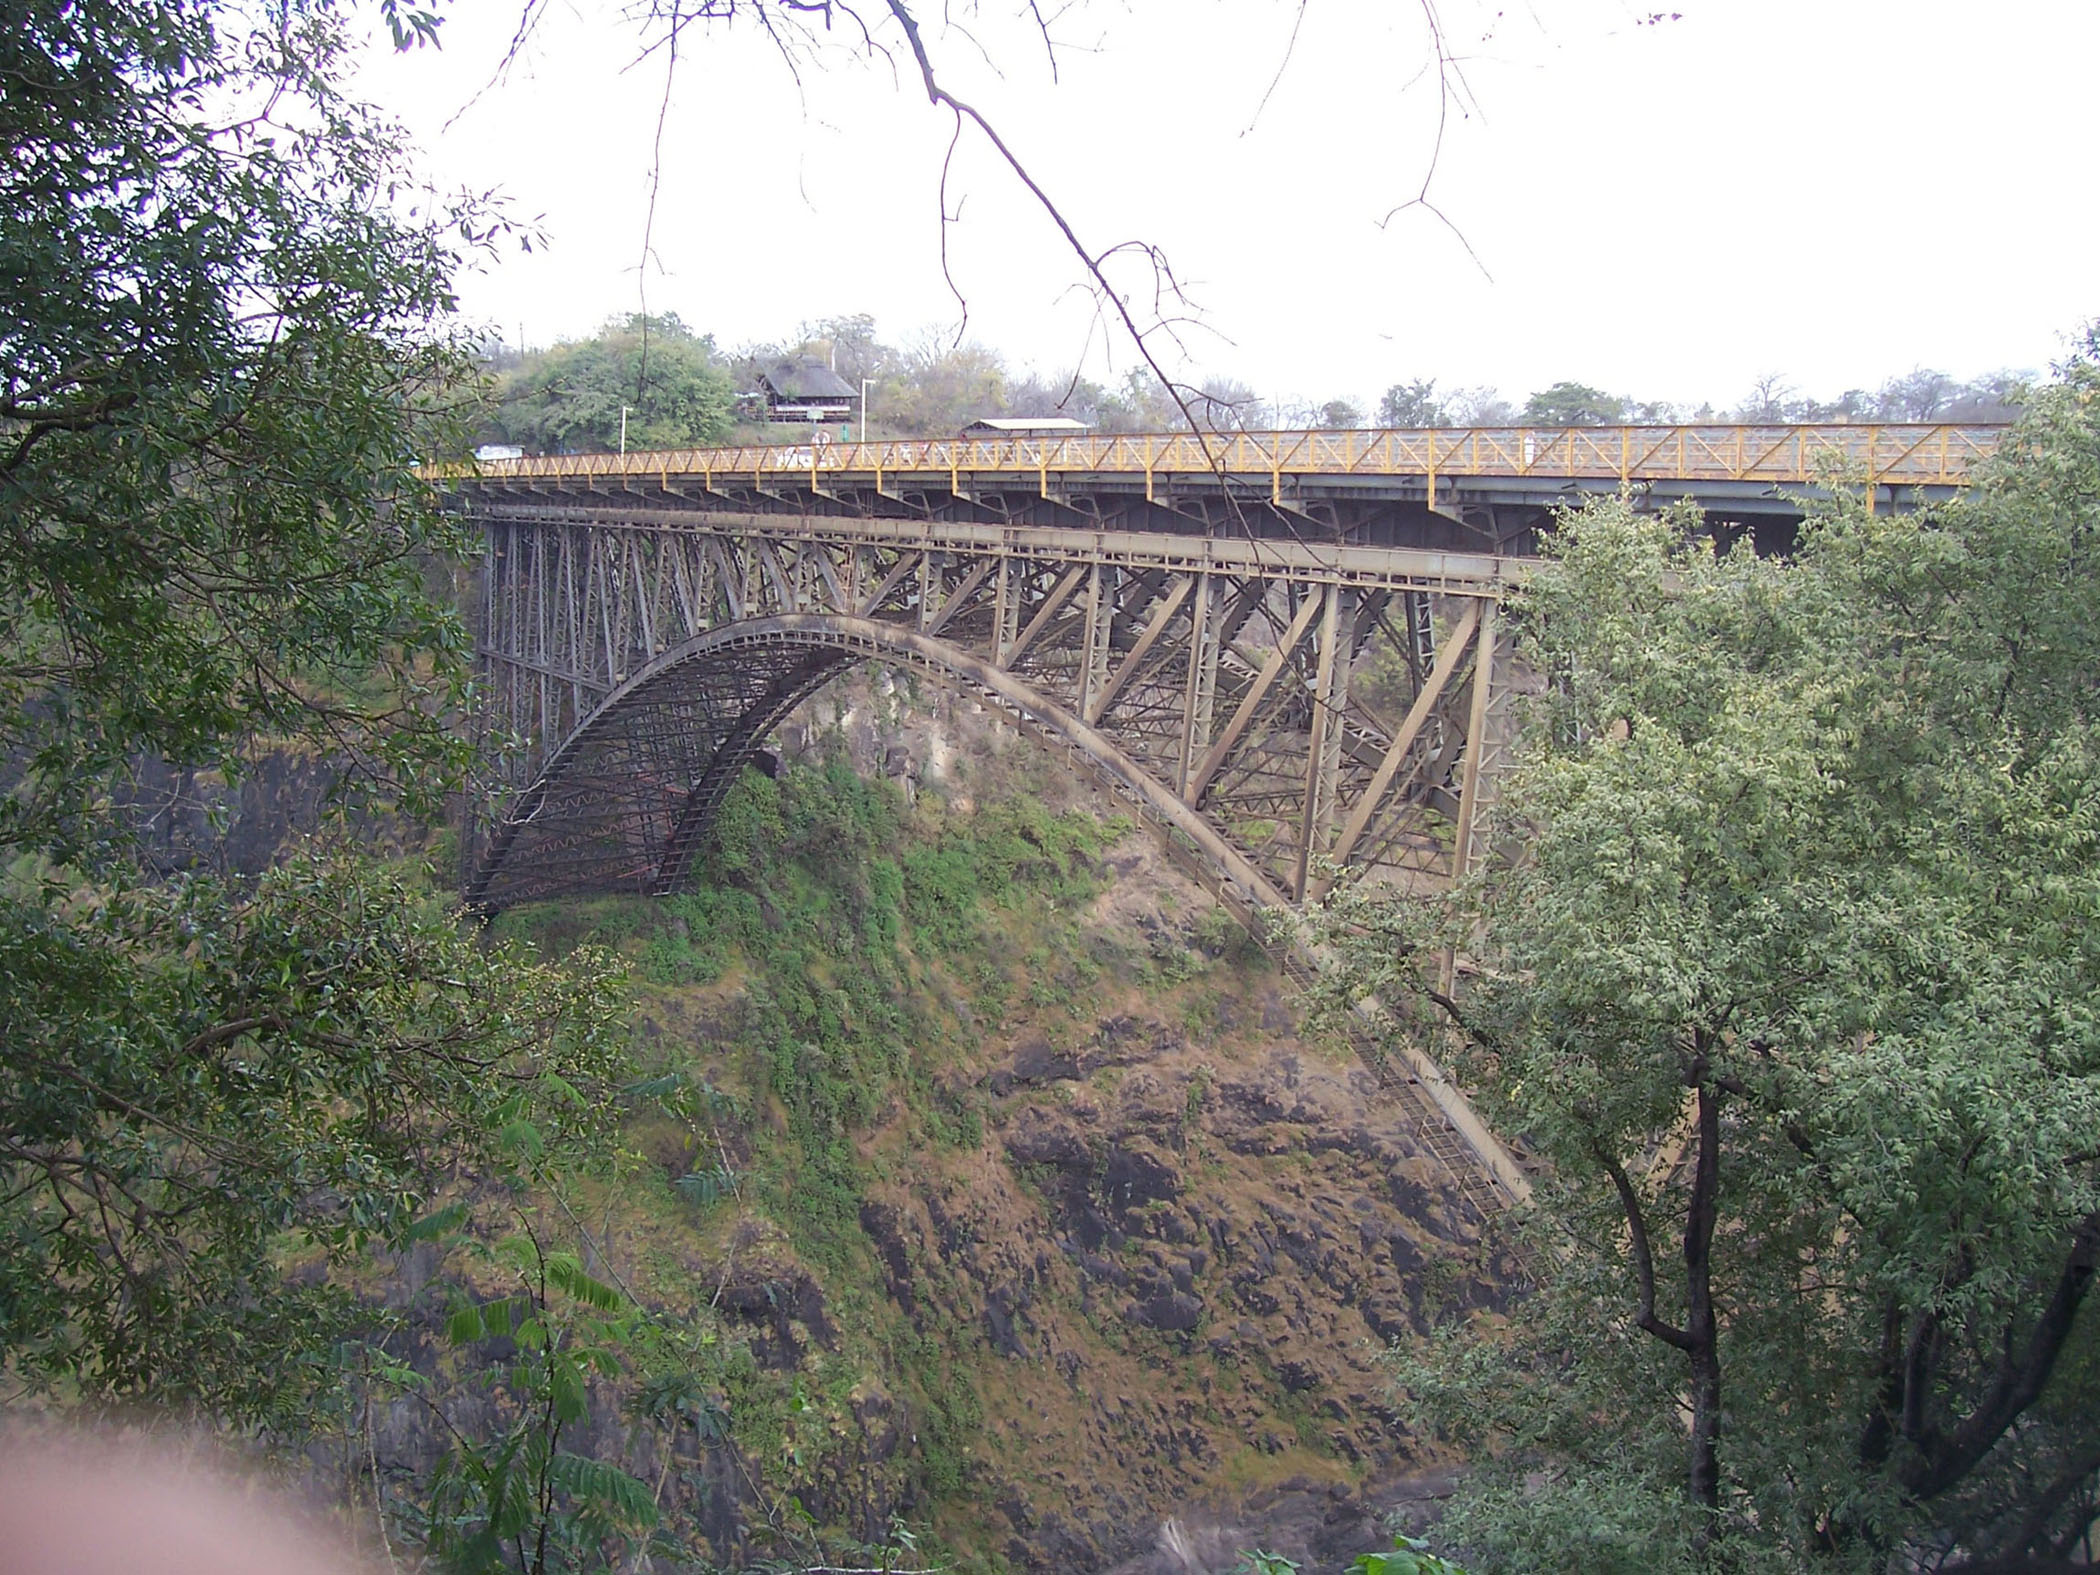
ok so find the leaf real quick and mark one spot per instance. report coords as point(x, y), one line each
point(707, 1187)
point(654, 1087)
point(568, 1276)
point(522, 1137)
point(606, 1487)
point(441, 1222)
point(565, 1384)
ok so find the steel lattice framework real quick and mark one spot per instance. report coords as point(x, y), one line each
point(633, 667)
point(1197, 618)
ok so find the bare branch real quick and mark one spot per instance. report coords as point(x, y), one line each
point(1283, 65)
point(936, 94)
point(1449, 72)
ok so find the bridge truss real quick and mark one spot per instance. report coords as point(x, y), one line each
point(636, 658)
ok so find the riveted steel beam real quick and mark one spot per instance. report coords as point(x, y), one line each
point(1272, 669)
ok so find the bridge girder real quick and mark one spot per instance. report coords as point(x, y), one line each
point(635, 659)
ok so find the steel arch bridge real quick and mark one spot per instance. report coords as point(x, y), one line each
point(639, 665)
point(1284, 648)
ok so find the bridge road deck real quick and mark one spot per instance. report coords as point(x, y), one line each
point(1732, 471)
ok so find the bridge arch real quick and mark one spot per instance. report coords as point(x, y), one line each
point(625, 799)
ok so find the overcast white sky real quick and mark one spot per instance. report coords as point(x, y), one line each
point(1837, 190)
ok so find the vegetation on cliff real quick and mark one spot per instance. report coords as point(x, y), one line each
point(984, 1190)
point(837, 1192)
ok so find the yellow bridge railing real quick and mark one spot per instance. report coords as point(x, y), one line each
point(1891, 453)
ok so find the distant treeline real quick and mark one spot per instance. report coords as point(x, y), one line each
point(674, 387)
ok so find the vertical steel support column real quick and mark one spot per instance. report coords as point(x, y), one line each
point(1006, 611)
point(528, 758)
point(1093, 642)
point(499, 625)
point(1462, 851)
point(597, 610)
point(1421, 636)
point(929, 577)
point(646, 555)
point(571, 626)
point(1323, 741)
point(1337, 708)
point(711, 592)
point(856, 578)
point(1200, 689)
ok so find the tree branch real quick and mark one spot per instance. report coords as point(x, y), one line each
point(941, 97)
point(1643, 1255)
point(1942, 1463)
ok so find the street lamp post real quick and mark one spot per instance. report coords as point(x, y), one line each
point(623, 427)
point(865, 435)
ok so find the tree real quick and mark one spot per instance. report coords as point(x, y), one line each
point(1918, 395)
point(1573, 405)
point(665, 378)
point(1996, 396)
point(226, 347)
point(1338, 415)
point(849, 345)
point(1771, 398)
point(941, 386)
point(200, 1081)
point(1224, 404)
point(1477, 407)
point(1412, 405)
point(1795, 990)
point(1142, 404)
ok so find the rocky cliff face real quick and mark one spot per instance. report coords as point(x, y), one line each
point(1180, 1257)
point(1186, 1238)
point(1141, 1316)
point(1180, 1249)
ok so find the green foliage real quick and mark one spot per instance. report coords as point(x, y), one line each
point(568, 400)
point(1010, 845)
point(811, 880)
point(1410, 1556)
point(836, 916)
point(707, 1186)
point(1219, 935)
point(200, 1080)
point(1573, 405)
point(1256, 1561)
point(1412, 405)
point(224, 349)
point(940, 385)
point(225, 328)
point(514, 1498)
point(1798, 991)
